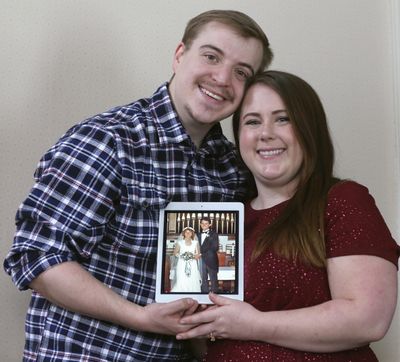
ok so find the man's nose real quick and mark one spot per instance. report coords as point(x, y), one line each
point(223, 75)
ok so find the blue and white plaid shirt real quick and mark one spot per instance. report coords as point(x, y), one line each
point(96, 200)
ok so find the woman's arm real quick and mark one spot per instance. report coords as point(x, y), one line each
point(364, 292)
point(177, 248)
point(197, 254)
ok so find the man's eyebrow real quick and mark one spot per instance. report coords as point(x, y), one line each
point(220, 51)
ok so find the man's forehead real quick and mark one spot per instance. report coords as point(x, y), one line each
point(225, 39)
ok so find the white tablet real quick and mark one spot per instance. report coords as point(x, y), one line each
point(200, 249)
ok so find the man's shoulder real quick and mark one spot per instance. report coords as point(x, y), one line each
point(132, 114)
point(136, 113)
point(126, 121)
point(213, 234)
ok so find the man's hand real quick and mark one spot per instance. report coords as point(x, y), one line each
point(70, 286)
point(165, 318)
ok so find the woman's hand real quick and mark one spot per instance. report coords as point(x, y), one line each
point(227, 318)
point(363, 289)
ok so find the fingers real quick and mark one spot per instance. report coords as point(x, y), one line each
point(181, 305)
point(219, 300)
point(206, 316)
point(192, 309)
point(201, 331)
point(165, 317)
point(202, 307)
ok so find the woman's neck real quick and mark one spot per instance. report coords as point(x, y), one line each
point(271, 196)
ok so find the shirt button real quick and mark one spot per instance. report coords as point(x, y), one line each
point(145, 204)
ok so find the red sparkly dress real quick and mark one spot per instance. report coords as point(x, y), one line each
point(353, 226)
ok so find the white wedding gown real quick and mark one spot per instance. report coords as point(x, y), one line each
point(187, 283)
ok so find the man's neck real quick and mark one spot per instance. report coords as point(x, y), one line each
point(197, 134)
point(195, 130)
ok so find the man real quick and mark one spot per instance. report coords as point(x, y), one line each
point(86, 237)
point(209, 245)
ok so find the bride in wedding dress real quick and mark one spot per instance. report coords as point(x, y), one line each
point(187, 249)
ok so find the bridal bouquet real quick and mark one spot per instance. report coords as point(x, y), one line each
point(187, 256)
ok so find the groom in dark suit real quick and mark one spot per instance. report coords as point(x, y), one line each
point(209, 245)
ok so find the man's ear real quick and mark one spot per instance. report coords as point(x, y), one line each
point(179, 51)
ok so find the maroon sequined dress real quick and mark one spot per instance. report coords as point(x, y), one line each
point(353, 226)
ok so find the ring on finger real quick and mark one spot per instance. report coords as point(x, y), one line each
point(211, 336)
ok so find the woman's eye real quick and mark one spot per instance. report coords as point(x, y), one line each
point(283, 120)
point(251, 122)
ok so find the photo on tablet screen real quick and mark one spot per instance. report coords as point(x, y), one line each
point(200, 249)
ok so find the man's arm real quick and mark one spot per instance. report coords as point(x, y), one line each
point(70, 286)
point(215, 242)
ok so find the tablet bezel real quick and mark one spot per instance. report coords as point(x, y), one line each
point(203, 208)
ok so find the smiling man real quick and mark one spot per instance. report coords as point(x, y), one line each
point(210, 72)
point(86, 237)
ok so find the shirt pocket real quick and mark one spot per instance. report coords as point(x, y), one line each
point(145, 197)
point(137, 224)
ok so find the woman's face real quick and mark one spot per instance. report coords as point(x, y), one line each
point(267, 141)
point(187, 234)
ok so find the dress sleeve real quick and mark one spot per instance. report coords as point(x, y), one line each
point(64, 216)
point(354, 224)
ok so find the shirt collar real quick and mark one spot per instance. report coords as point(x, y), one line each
point(171, 130)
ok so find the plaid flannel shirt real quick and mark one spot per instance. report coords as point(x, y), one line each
point(96, 200)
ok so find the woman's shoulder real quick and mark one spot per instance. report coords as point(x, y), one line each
point(354, 224)
point(352, 199)
point(347, 186)
point(350, 191)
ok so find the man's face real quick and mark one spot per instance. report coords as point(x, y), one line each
point(204, 224)
point(210, 75)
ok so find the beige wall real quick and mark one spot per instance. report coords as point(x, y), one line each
point(62, 61)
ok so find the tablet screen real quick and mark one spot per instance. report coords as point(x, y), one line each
point(200, 249)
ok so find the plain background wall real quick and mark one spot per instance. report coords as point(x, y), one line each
point(62, 61)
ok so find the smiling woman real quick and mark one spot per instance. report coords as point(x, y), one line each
point(268, 144)
point(320, 262)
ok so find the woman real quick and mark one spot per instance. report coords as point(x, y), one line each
point(187, 270)
point(320, 263)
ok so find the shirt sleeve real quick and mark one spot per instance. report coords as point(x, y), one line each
point(354, 224)
point(64, 216)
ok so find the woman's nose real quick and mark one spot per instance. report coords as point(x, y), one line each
point(267, 131)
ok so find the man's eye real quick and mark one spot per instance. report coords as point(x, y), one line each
point(211, 58)
point(241, 74)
